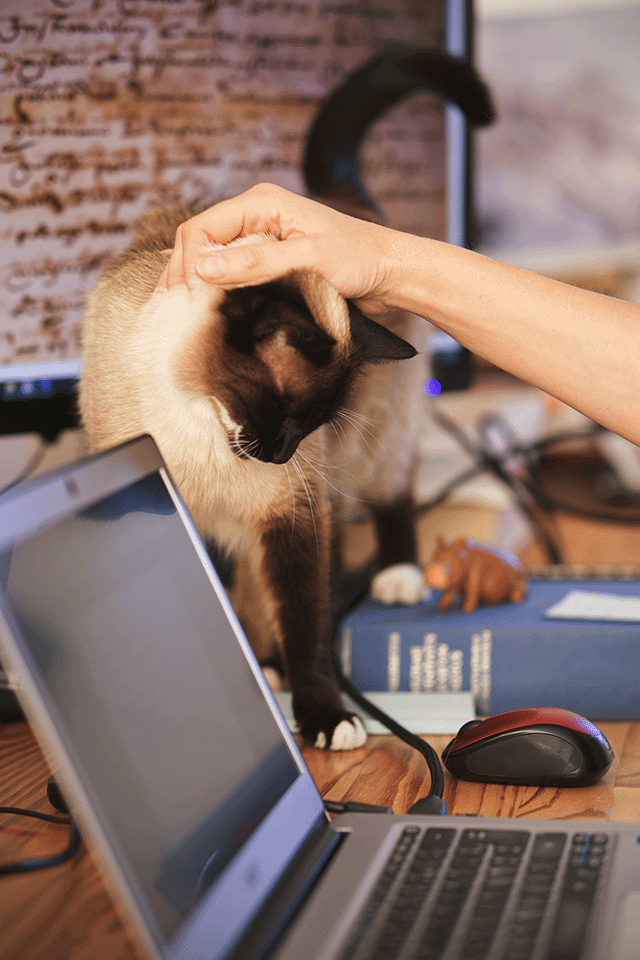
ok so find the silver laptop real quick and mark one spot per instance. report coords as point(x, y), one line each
point(185, 780)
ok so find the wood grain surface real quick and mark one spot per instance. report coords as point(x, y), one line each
point(66, 913)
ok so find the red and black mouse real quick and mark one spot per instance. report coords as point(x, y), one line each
point(541, 746)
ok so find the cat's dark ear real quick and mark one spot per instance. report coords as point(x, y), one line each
point(373, 342)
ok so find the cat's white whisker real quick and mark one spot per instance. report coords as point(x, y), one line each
point(309, 492)
point(334, 424)
point(293, 499)
point(361, 431)
point(359, 422)
point(305, 482)
point(342, 493)
point(325, 465)
point(369, 421)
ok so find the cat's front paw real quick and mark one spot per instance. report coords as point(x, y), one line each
point(347, 735)
point(322, 719)
point(401, 583)
point(331, 729)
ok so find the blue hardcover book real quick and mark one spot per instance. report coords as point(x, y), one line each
point(509, 656)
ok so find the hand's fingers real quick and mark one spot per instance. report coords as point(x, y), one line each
point(262, 209)
point(195, 235)
point(311, 237)
point(254, 263)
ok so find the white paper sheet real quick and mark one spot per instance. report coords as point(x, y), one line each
point(591, 605)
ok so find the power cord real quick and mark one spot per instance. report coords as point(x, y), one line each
point(433, 803)
point(499, 452)
point(41, 863)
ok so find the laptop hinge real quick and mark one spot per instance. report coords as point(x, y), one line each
point(299, 880)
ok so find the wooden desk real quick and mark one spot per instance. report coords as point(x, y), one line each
point(65, 913)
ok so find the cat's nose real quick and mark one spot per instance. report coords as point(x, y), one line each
point(286, 443)
point(284, 453)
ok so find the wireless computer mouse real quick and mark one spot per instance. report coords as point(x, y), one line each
point(543, 746)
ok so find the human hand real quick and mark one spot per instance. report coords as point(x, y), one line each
point(353, 255)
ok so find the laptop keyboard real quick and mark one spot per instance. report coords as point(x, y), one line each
point(446, 894)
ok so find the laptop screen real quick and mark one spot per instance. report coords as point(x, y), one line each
point(180, 753)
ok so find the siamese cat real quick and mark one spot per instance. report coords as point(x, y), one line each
point(236, 388)
point(242, 391)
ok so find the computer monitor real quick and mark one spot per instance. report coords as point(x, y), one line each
point(39, 397)
point(113, 115)
point(451, 363)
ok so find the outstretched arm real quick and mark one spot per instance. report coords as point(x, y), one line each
point(581, 347)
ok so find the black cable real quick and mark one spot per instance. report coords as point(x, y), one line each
point(42, 863)
point(49, 817)
point(434, 797)
point(565, 437)
point(485, 460)
point(523, 488)
point(433, 803)
point(34, 461)
point(548, 502)
point(521, 491)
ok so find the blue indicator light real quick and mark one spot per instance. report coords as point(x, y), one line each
point(433, 388)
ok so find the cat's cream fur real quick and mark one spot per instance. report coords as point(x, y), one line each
point(163, 343)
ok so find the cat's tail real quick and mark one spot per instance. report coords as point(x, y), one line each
point(331, 165)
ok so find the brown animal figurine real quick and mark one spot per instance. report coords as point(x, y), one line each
point(480, 573)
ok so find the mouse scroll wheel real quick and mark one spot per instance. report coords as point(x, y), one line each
point(469, 726)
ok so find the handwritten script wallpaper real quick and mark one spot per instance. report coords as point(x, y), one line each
point(110, 107)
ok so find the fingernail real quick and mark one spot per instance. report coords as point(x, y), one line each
point(211, 268)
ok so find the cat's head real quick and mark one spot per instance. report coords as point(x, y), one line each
point(285, 358)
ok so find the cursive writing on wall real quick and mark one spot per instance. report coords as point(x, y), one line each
point(110, 107)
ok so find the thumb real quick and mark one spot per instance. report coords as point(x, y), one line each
point(246, 264)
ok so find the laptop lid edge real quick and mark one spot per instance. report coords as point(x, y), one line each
point(143, 458)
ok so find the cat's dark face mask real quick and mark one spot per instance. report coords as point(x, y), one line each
point(285, 376)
